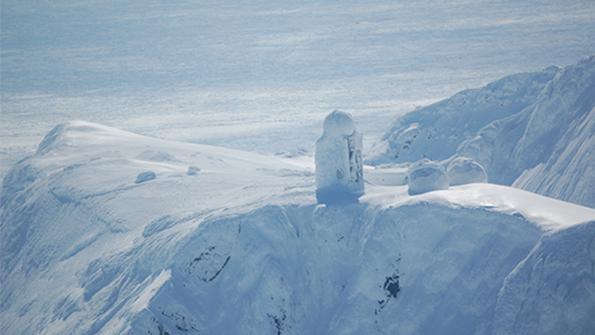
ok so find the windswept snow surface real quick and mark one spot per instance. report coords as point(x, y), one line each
point(534, 131)
point(240, 247)
point(249, 73)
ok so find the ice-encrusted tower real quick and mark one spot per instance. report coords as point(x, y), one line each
point(339, 167)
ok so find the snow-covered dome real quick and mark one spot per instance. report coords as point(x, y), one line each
point(425, 177)
point(339, 123)
point(464, 170)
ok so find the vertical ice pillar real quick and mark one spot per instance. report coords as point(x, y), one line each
point(339, 167)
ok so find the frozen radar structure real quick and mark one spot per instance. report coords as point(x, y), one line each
point(464, 170)
point(426, 176)
point(339, 168)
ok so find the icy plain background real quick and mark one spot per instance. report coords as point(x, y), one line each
point(106, 231)
point(258, 75)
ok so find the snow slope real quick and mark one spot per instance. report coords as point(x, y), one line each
point(549, 147)
point(78, 199)
point(239, 246)
point(436, 131)
point(534, 131)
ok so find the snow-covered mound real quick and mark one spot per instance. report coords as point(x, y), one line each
point(425, 177)
point(464, 170)
point(533, 131)
point(549, 289)
point(240, 247)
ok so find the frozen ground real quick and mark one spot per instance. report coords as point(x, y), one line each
point(105, 232)
point(261, 76)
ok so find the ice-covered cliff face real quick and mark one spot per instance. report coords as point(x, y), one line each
point(536, 134)
point(104, 231)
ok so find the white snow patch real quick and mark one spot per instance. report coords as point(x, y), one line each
point(547, 213)
point(145, 176)
point(144, 298)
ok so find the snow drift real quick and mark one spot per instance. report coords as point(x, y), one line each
point(241, 247)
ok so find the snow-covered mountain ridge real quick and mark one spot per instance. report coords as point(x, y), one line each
point(104, 231)
point(533, 131)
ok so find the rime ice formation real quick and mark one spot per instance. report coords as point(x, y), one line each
point(426, 176)
point(339, 167)
point(464, 170)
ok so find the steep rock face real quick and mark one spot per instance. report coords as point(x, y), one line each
point(435, 131)
point(553, 290)
point(298, 270)
point(292, 270)
point(569, 172)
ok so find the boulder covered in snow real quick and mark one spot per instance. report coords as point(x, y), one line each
point(426, 176)
point(145, 176)
point(193, 170)
point(464, 170)
point(339, 166)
